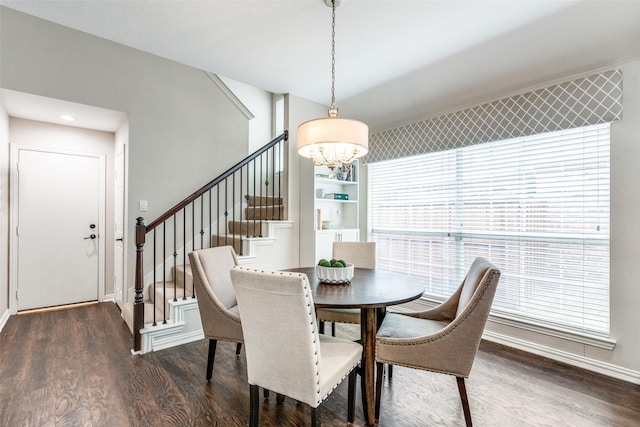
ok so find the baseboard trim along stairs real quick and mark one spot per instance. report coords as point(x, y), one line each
point(184, 327)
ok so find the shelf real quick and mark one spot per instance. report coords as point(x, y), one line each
point(320, 180)
point(336, 200)
point(334, 230)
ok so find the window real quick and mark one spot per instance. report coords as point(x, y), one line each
point(536, 206)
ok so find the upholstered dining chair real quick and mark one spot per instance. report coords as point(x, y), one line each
point(444, 339)
point(216, 298)
point(361, 255)
point(284, 351)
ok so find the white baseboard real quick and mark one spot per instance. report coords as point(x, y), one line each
point(4, 318)
point(109, 298)
point(159, 337)
point(600, 367)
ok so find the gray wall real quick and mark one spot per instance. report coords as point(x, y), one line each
point(183, 131)
point(625, 229)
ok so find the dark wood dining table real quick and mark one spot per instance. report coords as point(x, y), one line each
point(372, 291)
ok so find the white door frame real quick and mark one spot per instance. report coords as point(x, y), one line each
point(13, 218)
point(121, 299)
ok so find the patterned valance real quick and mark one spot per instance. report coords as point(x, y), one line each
point(582, 102)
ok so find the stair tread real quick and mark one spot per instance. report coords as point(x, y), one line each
point(253, 200)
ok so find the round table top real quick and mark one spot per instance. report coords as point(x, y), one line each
point(368, 289)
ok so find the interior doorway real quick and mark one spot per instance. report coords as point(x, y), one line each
point(59, 228)
point(38, 121)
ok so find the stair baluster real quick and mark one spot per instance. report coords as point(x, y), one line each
point(164, 273)
point(155, 323)
point(184, 245)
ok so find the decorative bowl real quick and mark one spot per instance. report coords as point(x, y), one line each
point(335, 275)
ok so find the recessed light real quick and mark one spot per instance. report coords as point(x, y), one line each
point(67, 117)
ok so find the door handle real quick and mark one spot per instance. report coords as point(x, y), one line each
point(119, 240)
point(92, 236)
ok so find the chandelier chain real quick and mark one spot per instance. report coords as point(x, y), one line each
point(333, 142)
point(333, 108)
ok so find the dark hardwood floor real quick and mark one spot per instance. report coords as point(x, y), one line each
point(73, 367)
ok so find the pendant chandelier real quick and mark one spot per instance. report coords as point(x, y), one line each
point(333, 141)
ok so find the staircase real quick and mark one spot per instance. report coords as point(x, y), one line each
point(162, 310)
point(170, 301)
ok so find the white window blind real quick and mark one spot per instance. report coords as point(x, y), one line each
point(536, 206)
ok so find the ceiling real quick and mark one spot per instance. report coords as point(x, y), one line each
point(396, 61)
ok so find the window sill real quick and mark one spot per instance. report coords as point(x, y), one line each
point(593, 340)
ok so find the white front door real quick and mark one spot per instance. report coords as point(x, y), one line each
point(58, 227)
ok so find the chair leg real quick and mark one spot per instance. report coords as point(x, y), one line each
point(265, 393)
point(321, 327)
point(390, 370)
point(279, 398)
point(351, 396)
point(212, 356)
point(379, 374)
point(315, 416)
point(333, 329)
point(238, 348)
point(465, 402)
point(363, 390)
point(254, 405)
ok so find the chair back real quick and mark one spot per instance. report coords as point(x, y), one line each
point(279, 327)
point(481, 271)
point(214, 290)
point(360, 254)
point(211, 267)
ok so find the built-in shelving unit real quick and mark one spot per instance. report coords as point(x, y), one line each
point(324, 218)
point(336, 207)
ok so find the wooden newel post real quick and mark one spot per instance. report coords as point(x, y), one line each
point(138, 302)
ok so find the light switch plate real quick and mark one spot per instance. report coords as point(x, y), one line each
point(143, 205)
